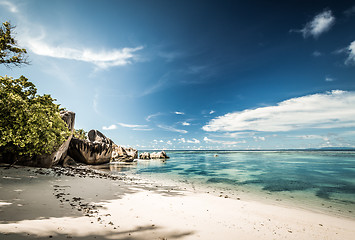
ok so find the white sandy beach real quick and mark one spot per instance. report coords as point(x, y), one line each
point(43, 206)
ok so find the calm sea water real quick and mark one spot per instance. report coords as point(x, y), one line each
point(322, 179)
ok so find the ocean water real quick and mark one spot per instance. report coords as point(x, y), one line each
point(320, 180)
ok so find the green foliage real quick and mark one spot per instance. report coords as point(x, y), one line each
point(81, 134)
point(10, 53)
point(30, 124)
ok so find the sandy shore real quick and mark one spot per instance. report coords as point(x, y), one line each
point(63, 204)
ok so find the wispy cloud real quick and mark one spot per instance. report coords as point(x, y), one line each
point(179, 113)
point(185, 124)
point(40, 45)
point(135, 127)
point(102, 59)
point(212, 112)
point(171, 129)
point(161, 83)
point(11, 7)
point(351, 54)
point(208, 140)
point(149, 117)
point(321, 23)
point(131, 125)
point(95, 102)
point(170, 56)
point(111, 127)
point(333, 109)
point(350, 12)
point(316, 54)
point(142, 129)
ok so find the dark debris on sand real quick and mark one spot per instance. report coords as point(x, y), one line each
point(60, 192)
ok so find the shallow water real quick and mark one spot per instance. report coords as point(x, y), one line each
point(317, 179)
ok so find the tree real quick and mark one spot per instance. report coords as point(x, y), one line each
point(30, 124)
point(10, 53)
point(81, 134)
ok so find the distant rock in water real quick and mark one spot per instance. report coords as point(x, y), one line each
point(132, 152)
point(121, 154)
point(153, 155)
point(145, 155)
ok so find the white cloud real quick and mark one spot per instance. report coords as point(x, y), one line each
point(351, 54)
point(312, 137)
point(208, 140)
point(185, 124)
point(12, 8)
point(194, 140)
point(333, 109)
point(112, 127)
point(169, 142)
point(321, 23)
point(257, 139)
point(179, 113)
point(172, 129)
point(102, 59)
point(329, 79)
point(212, 112)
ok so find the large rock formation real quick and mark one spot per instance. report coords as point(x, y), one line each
point(97, 137)
point(99, 149)
point(88, 152)
point(69, 118)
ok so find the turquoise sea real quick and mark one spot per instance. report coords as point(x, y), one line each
point(319, 180)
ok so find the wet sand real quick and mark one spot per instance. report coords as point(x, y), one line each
point(86, 204)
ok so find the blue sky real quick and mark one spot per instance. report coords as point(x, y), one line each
point(196, 74)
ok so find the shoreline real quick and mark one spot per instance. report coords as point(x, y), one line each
point(294, 199)
point(86, 204)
